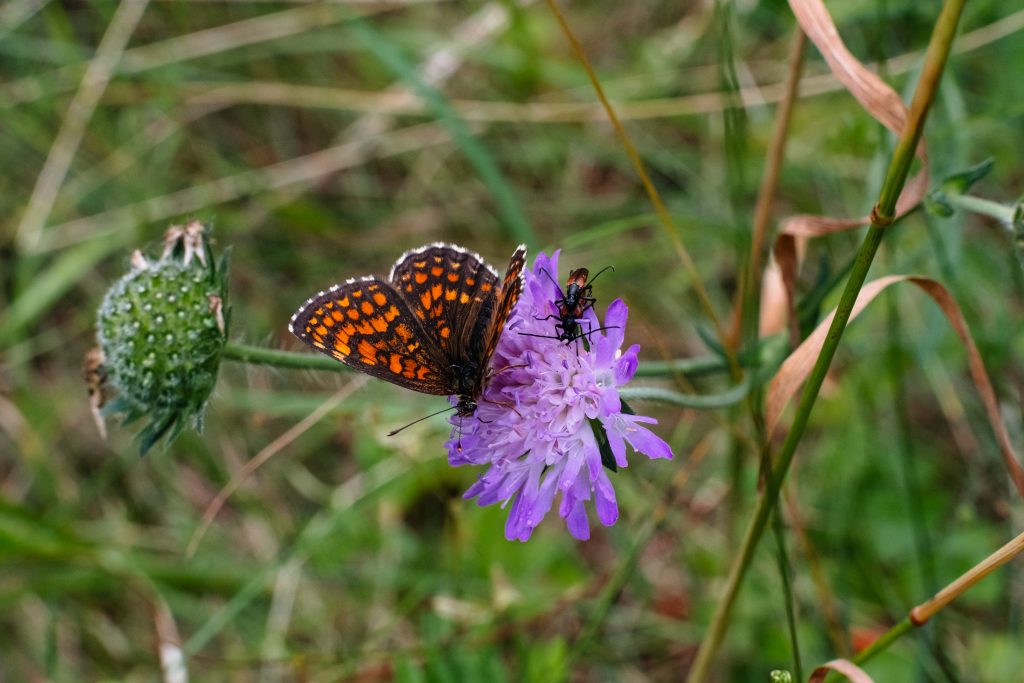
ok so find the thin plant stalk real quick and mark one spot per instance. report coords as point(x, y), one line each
point(882, 216)
point(921, 614)
point(749, 291)
point(659, 206)
point(255, 355)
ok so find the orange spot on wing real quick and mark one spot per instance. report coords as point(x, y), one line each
point(423, 372)
point(450, 294)
point(420, 314)
point(404, 332)
point(349, 330)
point(445, 332)
point(321, 330)
point(486, 287)
point(436, 271)
point(436, 312)
point(366, 349)
point(380, 298)
point(338, 315)
point(357, 293)
point(365, 327)
point(341, 347)
point(464, 298)
point(391, 313)
point(453, 277)
point(353, 314)
point(419, 264)
point(426, 300)
point(421, 278)
point(367, 308)
point(396, 363)
point(470, 281)
point(344, 303)
point(329, 321)
point(435, 291)
point(379, 324)
point(410, 369)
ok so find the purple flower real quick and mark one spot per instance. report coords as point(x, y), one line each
point(534, 426)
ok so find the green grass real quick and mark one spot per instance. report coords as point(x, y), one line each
point(352, 556)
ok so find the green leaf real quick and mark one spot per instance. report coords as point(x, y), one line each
point(958, 183)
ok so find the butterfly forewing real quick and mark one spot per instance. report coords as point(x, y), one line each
point(447, 288)
point(511, 288)
point(368, 326)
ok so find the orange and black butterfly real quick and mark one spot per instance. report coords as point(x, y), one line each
point(432, 326)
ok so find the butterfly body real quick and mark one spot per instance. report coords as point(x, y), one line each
point(431, 326)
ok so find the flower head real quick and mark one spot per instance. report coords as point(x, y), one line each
point(548, 409)
point(161, 329)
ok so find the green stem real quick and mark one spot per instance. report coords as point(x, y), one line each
point(257, 355)
point(881, 217)
point(727, 398)
point(985, 207)
point(884, 641)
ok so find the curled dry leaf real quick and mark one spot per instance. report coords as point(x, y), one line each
point(798, 365)
point(843, 666)
point(883, 104)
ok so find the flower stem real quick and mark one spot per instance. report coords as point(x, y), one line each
point(727, 398)
point(985, 207)
point(257, 355)
point(881, 217)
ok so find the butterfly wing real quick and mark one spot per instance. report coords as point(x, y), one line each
point(367, 325)
point(511, 288)
point(448, 289)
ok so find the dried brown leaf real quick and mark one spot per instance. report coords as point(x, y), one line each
point(879, 100)
point(843, 666)
point(798, 365)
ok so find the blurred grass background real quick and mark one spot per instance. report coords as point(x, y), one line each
point(350, 556)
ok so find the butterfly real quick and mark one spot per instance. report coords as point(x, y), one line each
point(432, 326)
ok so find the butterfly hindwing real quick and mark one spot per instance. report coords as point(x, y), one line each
point(368, 326)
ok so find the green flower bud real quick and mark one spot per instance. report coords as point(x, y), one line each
point(161, 330)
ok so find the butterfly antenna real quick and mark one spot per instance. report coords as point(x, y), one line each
point(392, 433)
point(611, 268)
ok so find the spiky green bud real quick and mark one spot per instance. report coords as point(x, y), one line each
point(161, 330)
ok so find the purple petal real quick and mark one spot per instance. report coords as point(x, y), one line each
point(625, 366)
point(647, 442)
point(604, 500)
point(617, 443)
point(572, 469)
point(576, 522)
point(475, 489)
point(545, 497)
point(514, 526)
